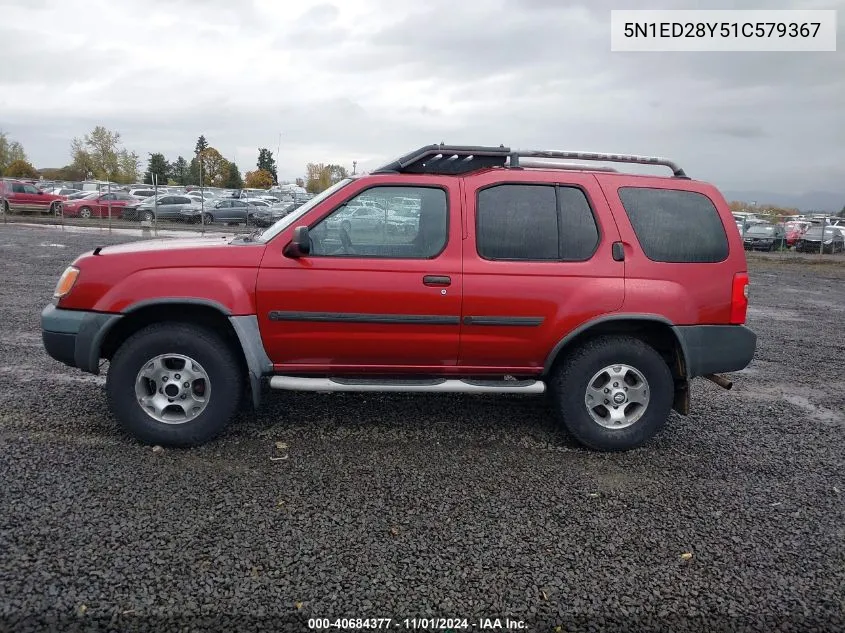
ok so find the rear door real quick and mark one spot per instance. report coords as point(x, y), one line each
point(366, 299)
point(537, 264)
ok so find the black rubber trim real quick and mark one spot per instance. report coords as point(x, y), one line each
point(85, 328)
point(60, 346)
point(503, 320)
point(352, 317)
point(654, 318)
point(171, 300)
point(426, 382)
point(714, 349)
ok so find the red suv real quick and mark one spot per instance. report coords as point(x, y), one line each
point(22, 197)
point(494, 273)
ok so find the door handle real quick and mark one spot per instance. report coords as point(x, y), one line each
point(437, 280)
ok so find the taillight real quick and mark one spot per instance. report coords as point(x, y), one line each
point(739, 298)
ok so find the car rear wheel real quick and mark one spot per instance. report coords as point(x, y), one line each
point(207, 218)
point(174, 384)
point(613, 393)
point(56, 208)
point(85, 212)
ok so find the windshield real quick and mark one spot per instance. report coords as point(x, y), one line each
point(762, 230)
point(292, 217)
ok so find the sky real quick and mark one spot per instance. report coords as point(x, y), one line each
point(367, 80)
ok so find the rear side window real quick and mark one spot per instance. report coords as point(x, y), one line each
point(535, 223)
point(675, 226)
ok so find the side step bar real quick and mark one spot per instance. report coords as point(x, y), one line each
point(441, 385)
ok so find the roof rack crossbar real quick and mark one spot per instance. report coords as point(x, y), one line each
point(457, 159)
point(441, 153)
point(596, 156)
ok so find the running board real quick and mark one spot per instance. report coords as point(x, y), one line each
point(440, 385)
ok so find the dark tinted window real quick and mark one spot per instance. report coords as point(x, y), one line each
point(18, 188)
point(182, 200)
point(579, 234)
point(675, 226)
point(167, 200)
point(518, 222)
point(535, 223)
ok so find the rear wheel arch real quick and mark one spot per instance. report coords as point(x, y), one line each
point(652, 329)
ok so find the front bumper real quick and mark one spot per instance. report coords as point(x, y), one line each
point(75, 337)
point(714, 349)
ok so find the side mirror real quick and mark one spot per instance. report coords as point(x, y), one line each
point(40, 193)
point(300, 245)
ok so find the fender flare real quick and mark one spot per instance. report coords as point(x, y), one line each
point(609, 318)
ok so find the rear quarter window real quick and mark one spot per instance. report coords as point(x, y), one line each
point(675, 226)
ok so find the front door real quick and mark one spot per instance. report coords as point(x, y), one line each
point(368, 297)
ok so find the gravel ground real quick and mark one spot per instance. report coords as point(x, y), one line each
point(395, 506)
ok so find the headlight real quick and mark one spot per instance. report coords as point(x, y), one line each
point(66, 282)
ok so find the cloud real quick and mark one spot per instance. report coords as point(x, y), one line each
point(367, 80)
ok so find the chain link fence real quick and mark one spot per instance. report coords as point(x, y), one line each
point(111, 211)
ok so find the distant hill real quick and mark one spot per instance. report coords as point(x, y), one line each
point(822, 201)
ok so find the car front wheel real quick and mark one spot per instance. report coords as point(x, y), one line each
point(613, 393)
point(174, 384)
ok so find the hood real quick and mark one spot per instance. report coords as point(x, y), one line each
point(166, 245)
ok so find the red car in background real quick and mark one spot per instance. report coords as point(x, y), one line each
point(96, 205)
point(794, 231)
point(21, 197)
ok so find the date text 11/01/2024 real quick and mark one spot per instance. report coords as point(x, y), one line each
point(417, 624)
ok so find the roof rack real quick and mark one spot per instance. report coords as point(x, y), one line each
point(460, 159)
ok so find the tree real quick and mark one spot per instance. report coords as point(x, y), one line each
point(320, 176)
point(259, 179)
point(21, 169)
point(233, 179)
point(267, 163)
point(215, 168)
point(179, 171)
point(157, 166)
point(10, 151)
point(128, 167)
point(202, 145)
point(97, 153)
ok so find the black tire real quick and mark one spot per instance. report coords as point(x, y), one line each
point(207, 218)
point(56, 208)
point(570, 380)
point(86, 213)
point(5, 206)
point(216, 357)
point(147, 216)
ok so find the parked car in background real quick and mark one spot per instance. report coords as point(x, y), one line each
point(21, 197)
point(228, 210)
point(794, 231)
point(99, 205)
point(811, 241)
point(164, 207)
point(764, 237)
point(80, 194)
point(62, 191)
point(143, 193)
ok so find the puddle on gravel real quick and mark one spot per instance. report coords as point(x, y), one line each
point(790, 394)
